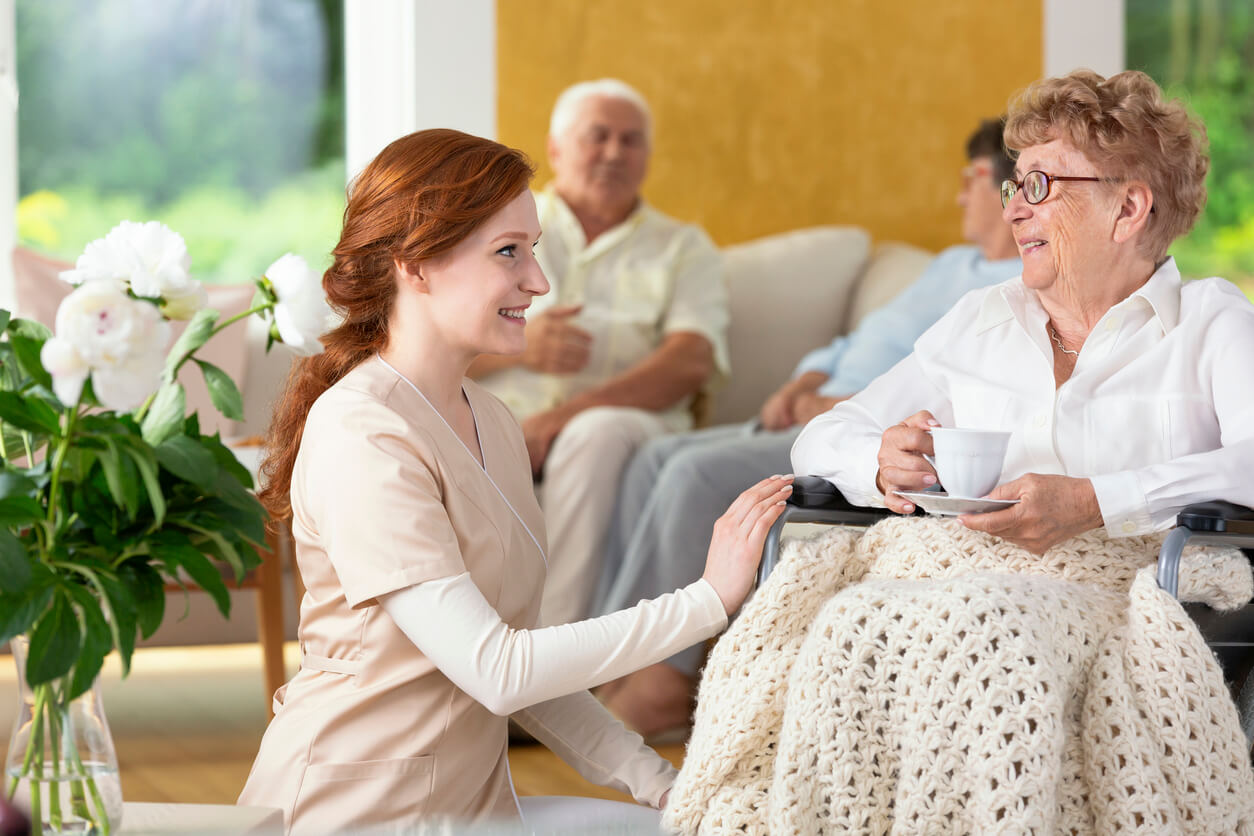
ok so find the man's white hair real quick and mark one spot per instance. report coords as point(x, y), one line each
point(568, 103)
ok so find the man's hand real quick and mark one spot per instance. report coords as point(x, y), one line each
point(554, 345)
point(902, 466)
point(779, 411)
point(539, 431)
point(810, 404)
point(1051, 509)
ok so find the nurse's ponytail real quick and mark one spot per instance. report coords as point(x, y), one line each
point(421, 196)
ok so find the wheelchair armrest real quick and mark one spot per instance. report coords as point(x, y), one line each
point(816, 500)
point(1219, 517)
point(1216, 522)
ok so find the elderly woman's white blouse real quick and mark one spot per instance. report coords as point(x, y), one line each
point(1158, 413)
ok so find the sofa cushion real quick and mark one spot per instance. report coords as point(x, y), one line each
point(892, 268)
point(39, 291)
point(788, 294)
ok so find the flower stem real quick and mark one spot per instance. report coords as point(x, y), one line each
point(58, 462)
point(234, 319)
point(217, 329)
point(52, 714)
point(36, 739)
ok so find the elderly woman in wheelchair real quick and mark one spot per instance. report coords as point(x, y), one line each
point(1016, 670)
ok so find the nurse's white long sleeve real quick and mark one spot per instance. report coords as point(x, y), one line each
point(548, 670)
point(507, 669)
point(579, 730)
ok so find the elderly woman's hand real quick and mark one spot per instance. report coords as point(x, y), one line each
point(902, 466)
point(1051, 509)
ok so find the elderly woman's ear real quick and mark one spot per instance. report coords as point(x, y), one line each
point(1134, 211)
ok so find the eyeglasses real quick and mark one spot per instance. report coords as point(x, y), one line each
point(975, 172)
point(1035, 185)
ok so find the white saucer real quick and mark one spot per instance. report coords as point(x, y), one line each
point(942, 504)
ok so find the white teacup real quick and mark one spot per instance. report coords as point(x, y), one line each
point(968, 462)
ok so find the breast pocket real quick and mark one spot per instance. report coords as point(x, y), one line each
point(363, 795)
point(1126, 433)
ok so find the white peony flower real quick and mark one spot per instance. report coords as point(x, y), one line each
point(118, 340)
point(183, 302)
point(150, 258)
point(302, 312)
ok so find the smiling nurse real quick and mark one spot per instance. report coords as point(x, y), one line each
point(418, 534)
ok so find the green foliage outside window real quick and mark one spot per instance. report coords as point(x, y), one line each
point(222, 120)
point(1203, 52)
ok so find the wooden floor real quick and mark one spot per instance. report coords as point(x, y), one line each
point(188, 720)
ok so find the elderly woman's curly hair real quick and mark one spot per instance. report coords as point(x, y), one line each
point(1131, 131)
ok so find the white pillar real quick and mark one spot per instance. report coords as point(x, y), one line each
point(414, 64)
point(8, 150)
point(1083, 33)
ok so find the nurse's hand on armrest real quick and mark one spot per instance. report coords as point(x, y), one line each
point(1050, 509)
point(736, 547)
point(902, 466)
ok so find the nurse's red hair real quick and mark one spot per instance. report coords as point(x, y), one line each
point(419, 198)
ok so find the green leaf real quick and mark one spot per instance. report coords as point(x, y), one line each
point(221, 548)
point(27, 338)
point(18, 612)
point(188, 460)
point(16, 483)
point(203, 572)
point(121, 612)
point(227, 460)
point(5, 316)
point(13, 446)
point(196, 334)
point(121, 476)
point(14, 564)
point(28, 413)
point(55, 641)
point(97, 642)
point(17, 511)
point(146, 462)
point(229, 490)
point(222, 391)
point(147, 591)
point(246, 523)
point(30, 328)
point(165, 415)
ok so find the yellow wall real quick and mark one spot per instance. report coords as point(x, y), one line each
point(776, 114)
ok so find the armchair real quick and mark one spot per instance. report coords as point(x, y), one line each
point(816, 500)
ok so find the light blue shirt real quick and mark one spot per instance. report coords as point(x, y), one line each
point(885, 336)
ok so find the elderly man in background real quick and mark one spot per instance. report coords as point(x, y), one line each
point(634, 327)
point(674, 488)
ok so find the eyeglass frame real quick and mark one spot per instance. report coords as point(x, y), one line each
point(1049, 179)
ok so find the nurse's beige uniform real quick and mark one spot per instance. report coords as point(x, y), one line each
point(385, 496)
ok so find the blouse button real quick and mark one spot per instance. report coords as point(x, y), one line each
point(1128, 527)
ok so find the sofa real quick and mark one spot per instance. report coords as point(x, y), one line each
point(788, 294)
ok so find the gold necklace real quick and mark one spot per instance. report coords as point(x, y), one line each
point(1058, 342)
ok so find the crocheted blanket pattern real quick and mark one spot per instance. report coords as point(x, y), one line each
point(924, 678)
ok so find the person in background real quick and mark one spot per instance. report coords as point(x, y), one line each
point(635, 326)
point(676, 486)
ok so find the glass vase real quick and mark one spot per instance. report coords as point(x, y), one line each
point(61, 767)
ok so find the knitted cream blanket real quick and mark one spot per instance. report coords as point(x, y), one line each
point(924, 678)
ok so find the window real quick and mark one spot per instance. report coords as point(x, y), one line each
point(1201, 50)
point(225, 120)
